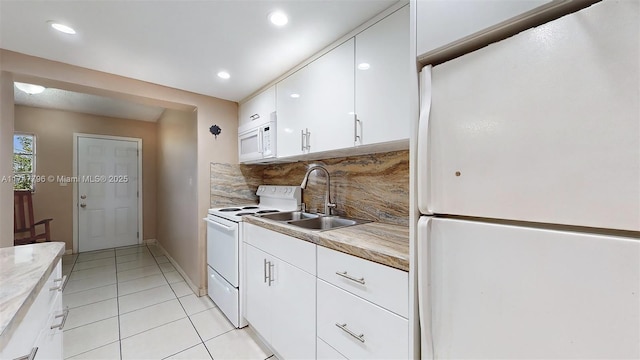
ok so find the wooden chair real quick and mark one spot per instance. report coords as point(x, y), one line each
point(24, 227)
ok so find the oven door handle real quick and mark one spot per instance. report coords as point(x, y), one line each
point(222, 226)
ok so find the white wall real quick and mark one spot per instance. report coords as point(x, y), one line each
point(177, 212)
point(6, 156)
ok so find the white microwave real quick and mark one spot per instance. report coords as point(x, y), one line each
point(257, 142)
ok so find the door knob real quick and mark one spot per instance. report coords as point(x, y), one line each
point(83, 196)
point(83, 205)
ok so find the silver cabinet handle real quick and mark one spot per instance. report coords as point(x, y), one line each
point(347, 276)
point(356, 138)
point(64, 319)
point(62, 281)
point(302, 147)
point(264, 268)
point(345, 329)
point(308, 140)
point(30, 356)
point(271, 279)
point(254, 117)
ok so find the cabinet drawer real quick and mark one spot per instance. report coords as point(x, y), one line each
point(299, 253)
point(383, 285)
point(37, 318)
point(376, 333)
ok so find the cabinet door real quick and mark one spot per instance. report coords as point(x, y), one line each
point(326, 352)
point(258, 109)
point(294, 312)
point(258, 310)
point(50, 340)
point(332, 100)
point(292, 109)
point(320, 98)
point(382, 78)
point(442, 22)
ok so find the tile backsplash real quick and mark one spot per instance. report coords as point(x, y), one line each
point(373, 187)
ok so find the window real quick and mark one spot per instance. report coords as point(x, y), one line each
point(24, 161)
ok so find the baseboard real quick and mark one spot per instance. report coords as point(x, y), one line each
point(194, 288)
point(150, 242)
point(68, 252)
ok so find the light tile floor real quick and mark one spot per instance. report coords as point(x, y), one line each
point(131, 303)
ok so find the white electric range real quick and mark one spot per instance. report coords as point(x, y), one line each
point(224, 245)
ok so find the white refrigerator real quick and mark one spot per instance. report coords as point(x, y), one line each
point(529, 186)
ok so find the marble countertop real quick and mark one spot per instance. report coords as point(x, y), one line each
point(382, 243)
point(23, 271)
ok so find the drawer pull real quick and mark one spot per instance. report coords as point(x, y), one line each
point(64, 319)
point(63, 283)
point(347, 276)
point(30, 356)
point(271, 279)
point(264, 268)
point(345, 329)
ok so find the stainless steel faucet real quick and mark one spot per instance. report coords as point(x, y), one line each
point(328, 205)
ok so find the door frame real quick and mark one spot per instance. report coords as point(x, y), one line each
point(76, 136)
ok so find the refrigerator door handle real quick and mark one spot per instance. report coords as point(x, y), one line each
point(424, 182)
point(424, 287)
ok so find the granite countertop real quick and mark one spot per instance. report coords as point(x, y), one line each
point(23, 271)
point(382, 243)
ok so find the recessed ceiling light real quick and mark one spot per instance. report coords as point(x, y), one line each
point(278, 18)
point(224, 75)
point(364, 66)
point(62, 28)
point(295, 96)
point(29, 88)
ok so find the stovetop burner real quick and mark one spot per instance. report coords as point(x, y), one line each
point(272, 199)
point(266, 211)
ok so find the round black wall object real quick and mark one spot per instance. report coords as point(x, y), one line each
point(215, 130)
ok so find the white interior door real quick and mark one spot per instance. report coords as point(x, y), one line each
point(107, 193)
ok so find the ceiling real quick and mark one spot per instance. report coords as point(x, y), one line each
point(183, 44)
point(58, 99)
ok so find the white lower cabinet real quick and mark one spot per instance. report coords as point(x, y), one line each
point(352, 309)
point(280, 296)
point(39, 333)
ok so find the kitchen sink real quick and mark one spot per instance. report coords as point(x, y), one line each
point(326, 222)
point(289, 216)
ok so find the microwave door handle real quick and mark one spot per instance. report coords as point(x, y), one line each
point(424, 168)
point(260, 142)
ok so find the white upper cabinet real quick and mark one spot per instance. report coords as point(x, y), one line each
point(440, 23)
point(258, 110)
point(316, 105)
point(382, 80)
